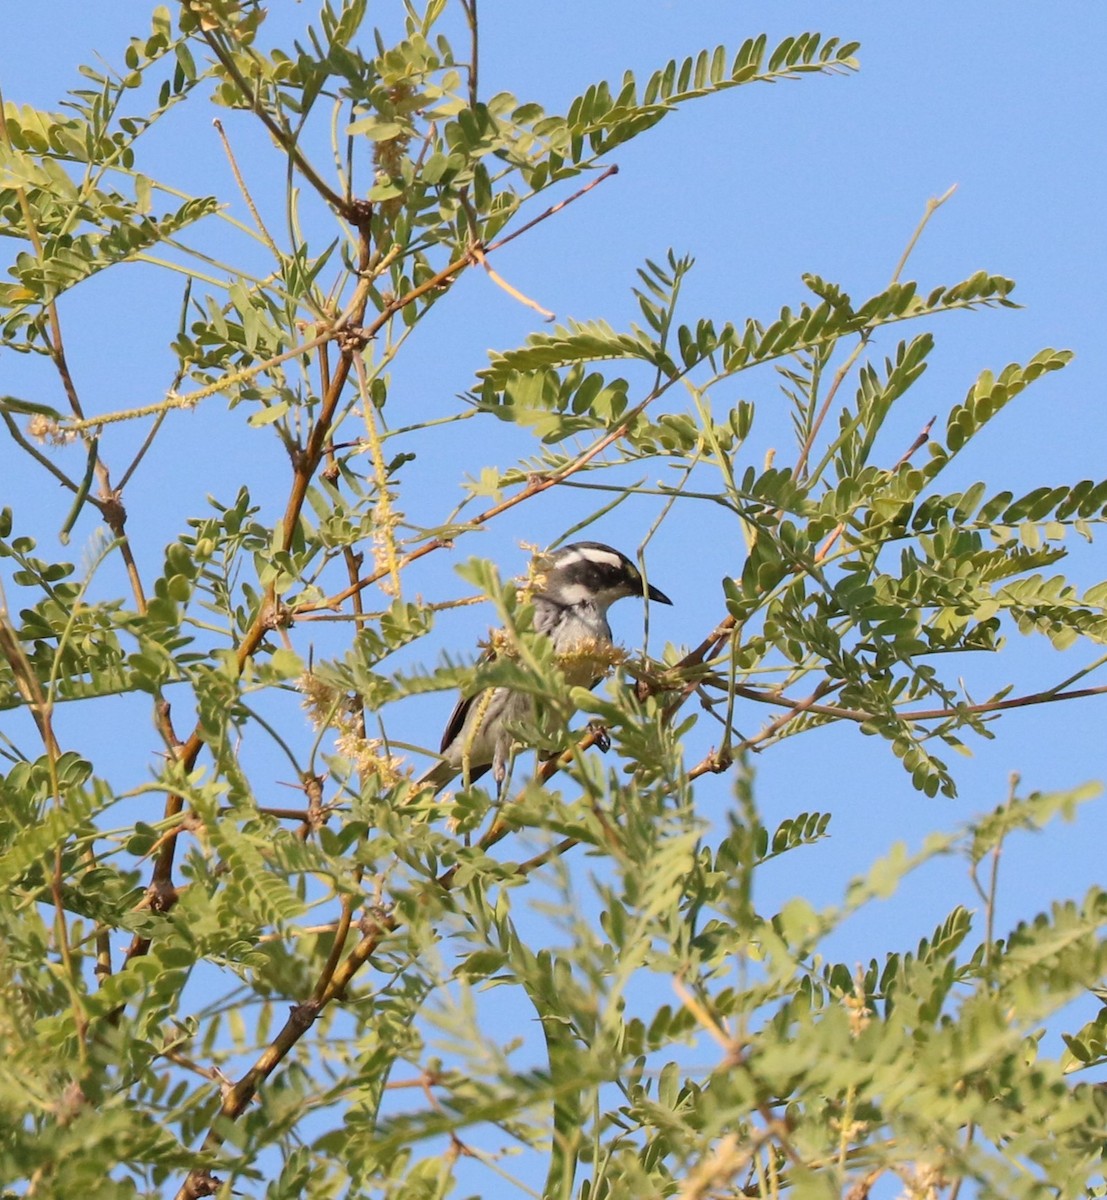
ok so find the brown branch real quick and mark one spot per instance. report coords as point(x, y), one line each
point(554, 208)
point(932, 714)
point(351, 335)
point(836, 712)
point(326, 975)
point(989, 706)
point(187, 753)
point(536, 487)
point(305, 467)
point(904, 458)
point(376, 925)
point(280, 134)
point(716, 763)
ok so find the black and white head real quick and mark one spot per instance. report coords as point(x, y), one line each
point(590, 574)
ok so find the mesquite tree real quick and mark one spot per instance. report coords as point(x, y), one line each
point(361, 988)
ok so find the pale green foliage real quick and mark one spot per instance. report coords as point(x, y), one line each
point(765, 1068)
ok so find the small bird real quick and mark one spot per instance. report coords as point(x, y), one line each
point(577, 588)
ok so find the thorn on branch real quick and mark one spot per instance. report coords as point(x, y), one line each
point(161, 895)
point(303, 1016)
point(114, 514)
point(353, 339)
point(476, 253)
point(719, 761)
point(275, 615)
point(357, 212)
point(226, 1086)
point(376, 919)
point(202, 1183)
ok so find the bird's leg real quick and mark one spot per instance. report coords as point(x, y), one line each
point(502, 766)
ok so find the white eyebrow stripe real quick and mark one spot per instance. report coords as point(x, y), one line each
point(589, 554)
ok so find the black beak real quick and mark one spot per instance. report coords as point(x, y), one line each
point(658, 595)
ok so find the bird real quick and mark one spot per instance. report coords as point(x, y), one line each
point(579, 584)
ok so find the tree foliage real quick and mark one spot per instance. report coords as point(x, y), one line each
point(310, 998)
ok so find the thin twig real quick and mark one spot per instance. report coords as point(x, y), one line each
point(836, 533)
point(836, 712)
point(265, 234)
point(41, 459)
point(932, 206)
point(513, 292)
point(534, 488)
point(554, 208)
point(280, 134)
point(470, 9)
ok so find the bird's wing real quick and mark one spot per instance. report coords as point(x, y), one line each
point(456, 722)
point(442, 773)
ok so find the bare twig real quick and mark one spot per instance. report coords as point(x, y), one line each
point(554, 208)
point(810, 705)
point(536, 486)
point(513, 292)
point(469, 7)
point(27, 681)
point(266, 237)
point(836, 533)
point(281, 135)
point(932, 207)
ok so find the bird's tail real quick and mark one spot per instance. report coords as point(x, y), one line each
point(443, 773)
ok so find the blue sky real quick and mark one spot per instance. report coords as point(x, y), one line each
point(760, 185)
